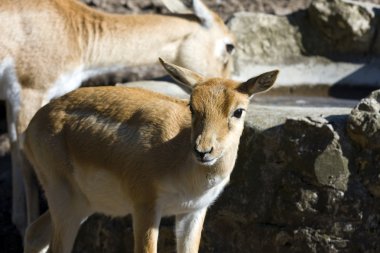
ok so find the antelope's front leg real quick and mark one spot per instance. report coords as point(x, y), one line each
point(146, 222)
point(188, 231)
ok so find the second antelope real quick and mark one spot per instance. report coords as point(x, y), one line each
point(119, 151)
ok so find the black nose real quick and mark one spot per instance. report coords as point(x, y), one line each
point(202, 154)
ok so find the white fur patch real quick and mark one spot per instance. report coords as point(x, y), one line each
point(220, 50)
point(72, 80)
point(10, 90)
point(45, 249)
point(179, 198)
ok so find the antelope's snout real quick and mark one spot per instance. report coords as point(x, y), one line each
point(205, 150)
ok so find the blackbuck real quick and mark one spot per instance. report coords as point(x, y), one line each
point(120, 151)
point(47, 47)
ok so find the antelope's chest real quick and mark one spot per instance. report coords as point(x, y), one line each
point(184, 198)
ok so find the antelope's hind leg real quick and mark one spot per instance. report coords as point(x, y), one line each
point(68, 208)
point(38, 234)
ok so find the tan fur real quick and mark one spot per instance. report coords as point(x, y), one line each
point(119, 151)
point(50, 46)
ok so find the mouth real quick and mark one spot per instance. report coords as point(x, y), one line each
point(207, 161)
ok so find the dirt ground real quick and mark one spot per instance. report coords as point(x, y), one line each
point(10, 241)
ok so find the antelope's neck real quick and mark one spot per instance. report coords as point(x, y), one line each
point(132, 40)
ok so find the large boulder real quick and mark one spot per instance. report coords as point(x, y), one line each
point(348, 26)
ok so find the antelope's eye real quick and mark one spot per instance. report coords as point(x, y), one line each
point(238, 113)
point(230, 48)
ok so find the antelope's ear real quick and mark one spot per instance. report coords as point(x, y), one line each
point(177, 6)
point(184, 76)
point(198, 8)
point(203, 13)
point(259, 83)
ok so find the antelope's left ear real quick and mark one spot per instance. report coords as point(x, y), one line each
point(183, 76)
point(259, 83)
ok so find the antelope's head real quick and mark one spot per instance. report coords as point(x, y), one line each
point(218, 107)
point(208, 50)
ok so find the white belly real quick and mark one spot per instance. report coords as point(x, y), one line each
point(104, 192)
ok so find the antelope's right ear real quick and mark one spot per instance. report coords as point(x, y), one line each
point(184, 76)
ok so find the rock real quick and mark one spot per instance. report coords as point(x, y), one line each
point(364, 122)
point(349, 27)
point(363, 127)
point(264, 38)
point(319, 159)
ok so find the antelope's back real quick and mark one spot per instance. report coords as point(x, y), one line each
point(105, 126)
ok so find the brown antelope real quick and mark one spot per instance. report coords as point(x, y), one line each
point(48, 47)
point(119, 151)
